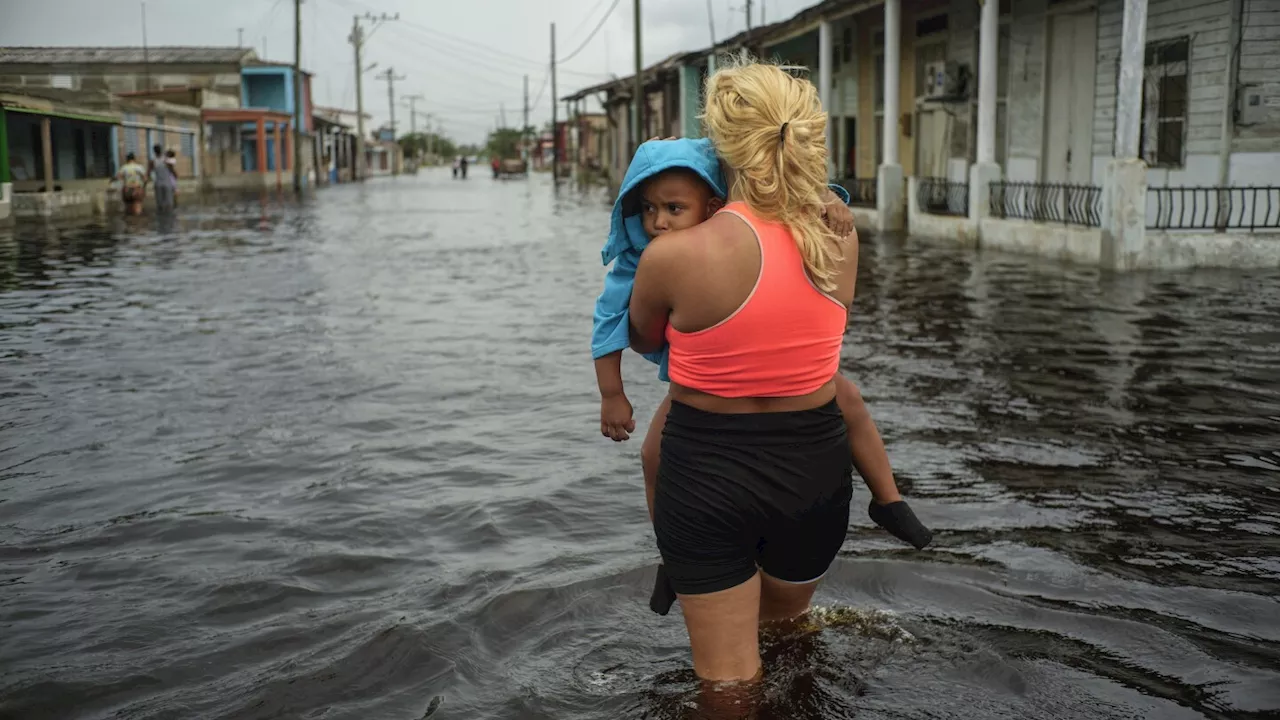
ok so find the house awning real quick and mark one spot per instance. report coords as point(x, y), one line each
point(244, 115)
point(41, 106)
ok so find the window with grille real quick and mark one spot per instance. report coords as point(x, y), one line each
point(131, 144)
point(188, 145)
point(1164, 102)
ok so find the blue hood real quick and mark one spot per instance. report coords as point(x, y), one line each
point(626, 231)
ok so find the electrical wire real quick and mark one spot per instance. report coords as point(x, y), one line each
point(545, 81)
point(586, 16)
point(584, 44)
point(463, 44)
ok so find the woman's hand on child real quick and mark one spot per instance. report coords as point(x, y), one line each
point(617, 418)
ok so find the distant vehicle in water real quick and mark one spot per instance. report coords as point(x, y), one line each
point(508, 167)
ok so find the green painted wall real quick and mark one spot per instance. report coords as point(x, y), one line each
point(4, 147)
point(691, 100)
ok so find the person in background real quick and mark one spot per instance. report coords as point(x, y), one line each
point(171, 162)
point(464, 167)
point(496, 162)
point(133, 184)
point(156, 158)
point(457, 164)
point(166, 185)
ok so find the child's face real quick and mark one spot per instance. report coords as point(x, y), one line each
point(675, 201)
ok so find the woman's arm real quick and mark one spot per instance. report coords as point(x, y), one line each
point(650, 300)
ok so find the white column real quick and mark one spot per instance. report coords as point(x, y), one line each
point(1133, 47)
point(824, 80)
point(985, 171)
point(1124, 223)
point(892, 63)
point(988, 39)
point(890, 192)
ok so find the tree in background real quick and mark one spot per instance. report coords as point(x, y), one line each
point(505, 142)
point(418, 145)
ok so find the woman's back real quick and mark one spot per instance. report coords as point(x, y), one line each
point(782, 336)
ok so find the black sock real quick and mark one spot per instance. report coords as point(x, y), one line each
point(901, 523)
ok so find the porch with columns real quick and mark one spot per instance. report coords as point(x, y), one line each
point(271, 155)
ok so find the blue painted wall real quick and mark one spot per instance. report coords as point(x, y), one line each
point(268, 88)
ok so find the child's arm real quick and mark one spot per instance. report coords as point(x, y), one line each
point(610, 334)
point(617, 418)
point(836, 211)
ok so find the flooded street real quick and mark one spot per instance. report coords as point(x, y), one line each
point(335, 458)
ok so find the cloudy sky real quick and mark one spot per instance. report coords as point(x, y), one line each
point(467, 58)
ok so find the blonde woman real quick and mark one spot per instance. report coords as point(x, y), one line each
point(755, 480)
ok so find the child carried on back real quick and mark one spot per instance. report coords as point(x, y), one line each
point(672, 185)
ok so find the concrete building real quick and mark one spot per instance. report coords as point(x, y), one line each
point(338, 147)
point(89, 134)
point(244, 103)
point(1126, 133)
point(124, 69)
point(55, 158)
point(383, 155)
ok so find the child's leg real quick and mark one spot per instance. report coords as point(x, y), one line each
point(869, 456)
point(649, 451)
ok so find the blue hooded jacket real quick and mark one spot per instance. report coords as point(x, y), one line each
point(627, 238)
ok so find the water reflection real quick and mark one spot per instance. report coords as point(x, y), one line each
point(276, 458)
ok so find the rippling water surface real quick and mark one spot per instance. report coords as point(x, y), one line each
point(338, 458)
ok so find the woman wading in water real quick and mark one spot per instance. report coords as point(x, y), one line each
point(755, 478)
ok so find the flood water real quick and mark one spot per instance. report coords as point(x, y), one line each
point(338, 458)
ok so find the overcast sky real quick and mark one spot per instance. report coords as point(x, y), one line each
point(467, 58)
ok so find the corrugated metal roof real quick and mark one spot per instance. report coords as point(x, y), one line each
point(765, 35)
point(125, 55)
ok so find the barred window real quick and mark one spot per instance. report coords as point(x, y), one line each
point(1164, 102)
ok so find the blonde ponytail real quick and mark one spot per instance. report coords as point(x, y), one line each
point(770, 128)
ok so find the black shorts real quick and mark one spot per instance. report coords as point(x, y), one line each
point(737, 492)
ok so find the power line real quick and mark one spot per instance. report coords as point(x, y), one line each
point(586, 16)
point(599, 25)
point(470, 46)
point(545, 79)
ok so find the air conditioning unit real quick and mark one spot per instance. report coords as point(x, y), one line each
point(944, 80)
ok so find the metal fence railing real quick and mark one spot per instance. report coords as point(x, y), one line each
point(862, 191)
point(1213, 208)
point(1048, 202)
point(940, 196)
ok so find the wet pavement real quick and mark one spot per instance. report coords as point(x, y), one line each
point(337, 458)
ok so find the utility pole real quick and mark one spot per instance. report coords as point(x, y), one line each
point(357, 39)
point(524, 129)
point(390, 76)
point(638, 101)
point(299, 112)
point(502, 113)
point(239, 37)
point(555, 134)
point(431, 138)
point(146, 56)
point(413, 119)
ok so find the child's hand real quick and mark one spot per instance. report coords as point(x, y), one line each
point(838, 216)
point(617, 419)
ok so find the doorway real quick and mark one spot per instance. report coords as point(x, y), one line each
point(851, 147)
point(1068, 139)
